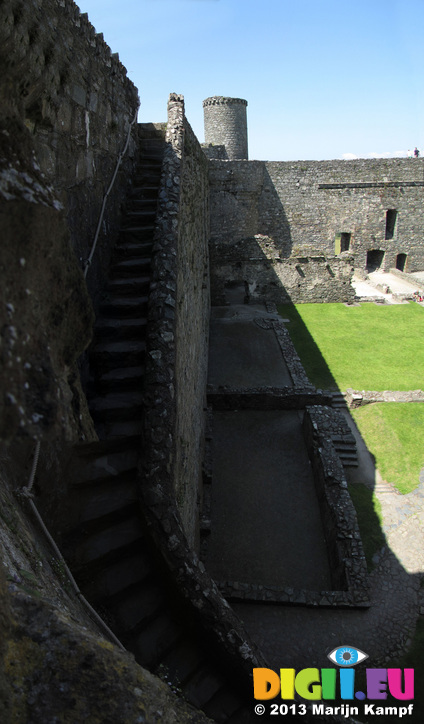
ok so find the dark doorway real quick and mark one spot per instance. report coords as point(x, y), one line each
point(401, 262)
point(391, 217)
point(342, 242)
point(374, 259)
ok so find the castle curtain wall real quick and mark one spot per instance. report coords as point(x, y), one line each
point(68, 99)
point(295, 230)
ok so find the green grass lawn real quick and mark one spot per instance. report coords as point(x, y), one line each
point(394, 434)
point(369, 347)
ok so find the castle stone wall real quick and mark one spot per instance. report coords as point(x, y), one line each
point(289, 215)
point(179, 322)
point(72, 99)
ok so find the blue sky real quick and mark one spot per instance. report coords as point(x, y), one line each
point(324, 79)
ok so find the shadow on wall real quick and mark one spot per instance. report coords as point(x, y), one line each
point(252, 248)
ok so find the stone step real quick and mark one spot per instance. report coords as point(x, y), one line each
point(126, 286)
point(153, 640)
point(224, 705)
point(121, 378)
point(345, 447)
point(121, 329)
point(338, 400)
point(149, 160)
point(141, 604)
point(139, 217)
point(203, 685)
point(132, 249)
point(183, 660)
point(130, 267)
point(121, 307)
point(111, 354)
point(110, 582)
point(350, 462)
point(118, 429)
point(117, 406)
point(149, 146)
point(141, 203)
point(148, 176)
point(96, 468)
point(144, 191)
point(347, 454)
point(137, 234)
point(107, 545)
point(111, 499)
point(383, 487)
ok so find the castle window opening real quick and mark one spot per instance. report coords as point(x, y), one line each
point(342, 242)
point(391, 218)
point(375, 259)
point(401, 261)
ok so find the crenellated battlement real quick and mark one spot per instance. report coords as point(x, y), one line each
point(223, 101)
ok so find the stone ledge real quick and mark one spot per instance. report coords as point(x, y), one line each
point(238, 591)
point(265, 398)
point(358, 398)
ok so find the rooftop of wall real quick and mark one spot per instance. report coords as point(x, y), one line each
point(379, 164)
point(223, 101)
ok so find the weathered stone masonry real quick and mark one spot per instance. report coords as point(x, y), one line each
point(66, 104)
point(179, 320)
point(71, 98)
point(225, 127)
point(275, 225)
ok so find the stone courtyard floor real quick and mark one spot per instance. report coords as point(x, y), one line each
point(263, 494)
point(299, 636)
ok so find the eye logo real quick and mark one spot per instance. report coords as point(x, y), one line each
point(347, 656)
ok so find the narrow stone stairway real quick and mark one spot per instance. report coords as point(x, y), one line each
point(107, 546)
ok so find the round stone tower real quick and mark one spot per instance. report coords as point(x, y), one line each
point(226, 125)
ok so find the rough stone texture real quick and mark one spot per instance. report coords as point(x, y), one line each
point(357, 398)
point(274, 225)
point(179, 317)
point(192, 331)
point(65, 112)
point(45, 318)
point(226, 125)
point(55, 664)
point(216, 151)
point(57, 670)
point(169, 397)
point(70, 96)
point(348, 564)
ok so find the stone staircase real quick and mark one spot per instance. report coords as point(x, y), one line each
point(346, 450)
point(107, 545)
point(338, 401)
